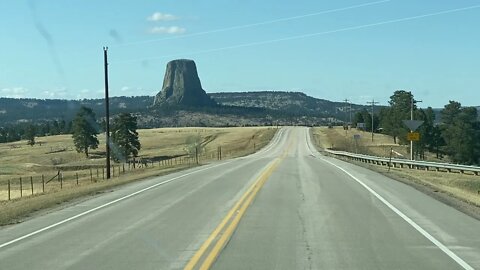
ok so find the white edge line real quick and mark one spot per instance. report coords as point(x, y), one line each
point(105, 205)
point(280, 133)
point(427, 235)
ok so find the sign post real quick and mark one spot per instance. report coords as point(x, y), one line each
point(412, 125)
point(356, 137)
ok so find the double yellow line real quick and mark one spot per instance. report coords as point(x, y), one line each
point(227, 226)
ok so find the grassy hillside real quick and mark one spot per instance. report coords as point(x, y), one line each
point(166, 147)
point(54, 153)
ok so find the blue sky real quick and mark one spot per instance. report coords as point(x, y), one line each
point(354, 49)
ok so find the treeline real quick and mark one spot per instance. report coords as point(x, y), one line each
point(27, 130)
point(13, 110)
point(456, 135)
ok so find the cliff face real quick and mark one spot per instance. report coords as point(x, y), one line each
point(181, 86)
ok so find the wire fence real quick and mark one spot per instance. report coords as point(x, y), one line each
point(64, 178)
point(20, 187)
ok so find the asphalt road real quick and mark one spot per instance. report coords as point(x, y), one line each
point(305, 211)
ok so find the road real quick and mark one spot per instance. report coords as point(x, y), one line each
point(285, 207)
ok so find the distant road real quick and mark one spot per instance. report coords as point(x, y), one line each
point(305, 211)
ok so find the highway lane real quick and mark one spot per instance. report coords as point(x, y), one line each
point(159, 228)
point(312, 215)
point(308, 215)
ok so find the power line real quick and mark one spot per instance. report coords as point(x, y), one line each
point(237, 27)
point(345, 29)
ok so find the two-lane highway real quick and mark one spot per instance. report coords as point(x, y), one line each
point(287, 206)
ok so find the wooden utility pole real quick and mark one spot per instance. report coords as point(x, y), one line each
point(373, 102)
point(412, 105)
point(107, 114)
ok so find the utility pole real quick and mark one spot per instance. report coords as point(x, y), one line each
point(412, 103)
point(107, 114)
point(345, 108)
point(345, 125)
point(373, 102)
point(350, 111)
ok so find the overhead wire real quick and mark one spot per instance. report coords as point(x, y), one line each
point(237, 27)
point(257, 43)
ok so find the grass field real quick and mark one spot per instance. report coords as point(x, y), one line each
point(165, 147)
point(461, 186)
point(339, 139)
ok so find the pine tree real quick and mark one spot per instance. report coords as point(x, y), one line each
point(392, 117)
point(125, 137)
point(84, 129)
point(30, 134)
point(461, 132)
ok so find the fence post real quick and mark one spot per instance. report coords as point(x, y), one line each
point(390, 160)
point(97, 173)
point(103, 173)
point(21, 188)
point(43, 184)
point(91, 175)
point(9, 189)
point(123, 168)
point(76, 174)
point(61, 180)
point(31, 183)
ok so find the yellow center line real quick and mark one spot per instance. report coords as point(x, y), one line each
point(212, 256)
point(196, 257)
point(239, 209)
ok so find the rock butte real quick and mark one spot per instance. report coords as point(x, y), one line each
point(181, 86)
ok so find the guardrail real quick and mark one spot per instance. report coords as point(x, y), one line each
point(412, 164)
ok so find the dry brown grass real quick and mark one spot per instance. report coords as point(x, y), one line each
point(19, 160)
point(337, 138)
point(461, 186)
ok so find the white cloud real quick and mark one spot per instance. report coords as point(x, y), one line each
point(158, 17)
point(167, 30)
point(55, 93)
point(125, 88)
point(14, 92)
point(85, 91)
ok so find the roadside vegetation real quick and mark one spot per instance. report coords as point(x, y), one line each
point(454, 132)
point(164, 150)
point(464, 187)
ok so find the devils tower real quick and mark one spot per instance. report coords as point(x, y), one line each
point(181, 86)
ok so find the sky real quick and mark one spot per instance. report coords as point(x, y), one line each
point(345, 49)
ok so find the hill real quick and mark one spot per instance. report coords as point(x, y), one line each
point(233, 109)
point(295, 103)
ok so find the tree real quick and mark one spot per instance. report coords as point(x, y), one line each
point(358, 118)
point(125, 137)
point(461, 132)
point(392, 118)
point(426, 131)
point(30, 134)
point(85, 130)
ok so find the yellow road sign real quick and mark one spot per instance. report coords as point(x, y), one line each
point(413, 136)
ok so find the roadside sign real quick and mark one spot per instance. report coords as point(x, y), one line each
point(413, 136)
point(356, 136)
point(412, 124)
